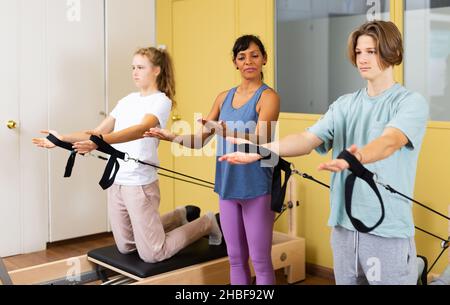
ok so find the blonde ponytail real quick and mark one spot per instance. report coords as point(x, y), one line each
point(166, 78)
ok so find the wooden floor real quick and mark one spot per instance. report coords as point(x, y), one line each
point(66, 249)
point(310, 279)
point(58, 251)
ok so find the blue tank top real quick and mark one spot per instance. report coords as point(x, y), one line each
point(240, 181)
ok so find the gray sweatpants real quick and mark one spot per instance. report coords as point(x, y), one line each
point(362, 259)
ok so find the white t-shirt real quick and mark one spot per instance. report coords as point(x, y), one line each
point(129, 112)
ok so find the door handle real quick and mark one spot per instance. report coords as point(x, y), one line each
point(11, 124)
point(176, 117)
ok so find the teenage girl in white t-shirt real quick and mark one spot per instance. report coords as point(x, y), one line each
point(133, 200)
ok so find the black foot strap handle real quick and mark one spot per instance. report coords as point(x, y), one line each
point(112, 167)
point(68, 146)
point(280, 165)
point(359, 171)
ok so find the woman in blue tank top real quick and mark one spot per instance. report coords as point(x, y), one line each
point(249, 111)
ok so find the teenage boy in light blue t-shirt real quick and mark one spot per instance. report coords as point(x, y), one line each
point(383, 127)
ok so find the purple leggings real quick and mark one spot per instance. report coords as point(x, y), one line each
point(247, 227)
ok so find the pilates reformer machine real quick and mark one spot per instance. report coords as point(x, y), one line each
point(197, 264)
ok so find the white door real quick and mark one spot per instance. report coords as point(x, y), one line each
point(9, 138)
point(23, 99)
point(53, 75)
point(76, 72)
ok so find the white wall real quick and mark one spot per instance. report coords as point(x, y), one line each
point(99, 54)
point(60, 83)
point(76, 95)
point(130, 25)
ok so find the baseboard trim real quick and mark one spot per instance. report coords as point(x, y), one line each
point(78, 239)
point(320, 271)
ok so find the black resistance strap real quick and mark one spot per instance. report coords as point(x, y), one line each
point(67, 146)
point(278, 188)
point(445, 243)
point(112, 167)
point(358, 170)
point(279, 165)
point(113, 164)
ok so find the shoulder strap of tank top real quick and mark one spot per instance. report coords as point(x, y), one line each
point(259, 92)
point(229, 97)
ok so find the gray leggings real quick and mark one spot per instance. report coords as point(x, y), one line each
point(362, 259)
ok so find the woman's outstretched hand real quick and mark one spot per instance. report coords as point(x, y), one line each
point(43, 142)
point(84, 147)
point(216, 127)
point(159, 133)
point(239, 157)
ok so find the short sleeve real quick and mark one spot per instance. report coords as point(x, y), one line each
point(160, 108)
point(115, 112)
point(324, 130)
point(411, 119)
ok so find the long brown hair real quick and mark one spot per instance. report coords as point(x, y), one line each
point(166, 78)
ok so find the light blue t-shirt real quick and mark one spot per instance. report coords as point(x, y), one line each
point(359, 119)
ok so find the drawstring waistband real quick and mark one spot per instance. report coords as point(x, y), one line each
point(356, 248)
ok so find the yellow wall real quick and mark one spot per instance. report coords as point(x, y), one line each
point(433, 171)
point(261, 24)
point(200, 35)
point(432, 188)
point(312, 214)
point(397, 16)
